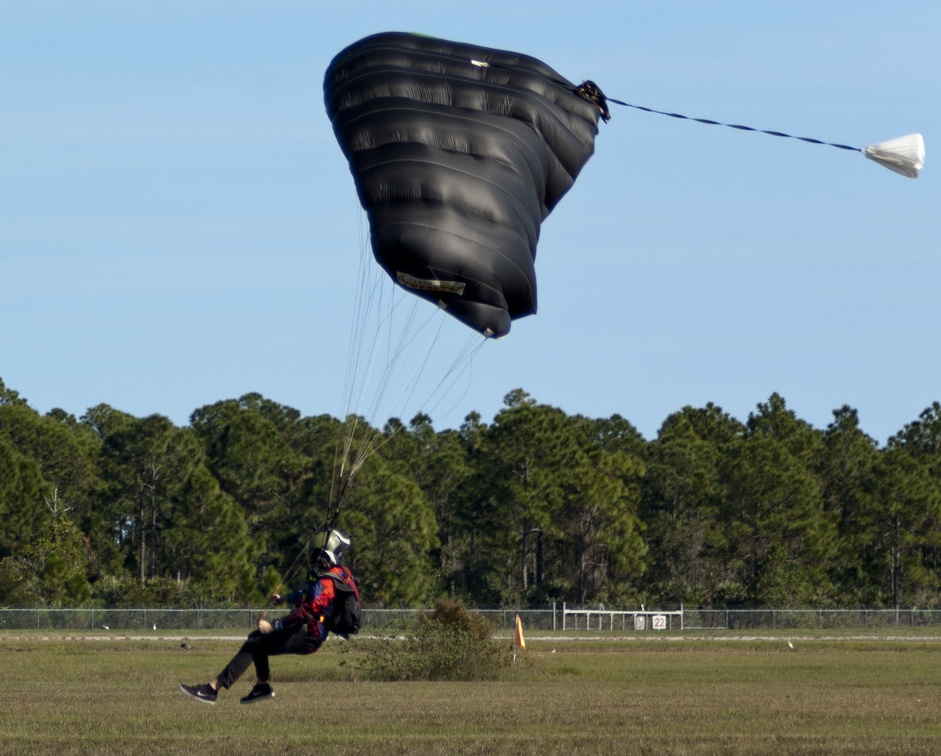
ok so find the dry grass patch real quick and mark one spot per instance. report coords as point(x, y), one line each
point(686, 697)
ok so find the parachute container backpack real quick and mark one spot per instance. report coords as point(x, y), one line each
point(458, 154)
point(348, 612)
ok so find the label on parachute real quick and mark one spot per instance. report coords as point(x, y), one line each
point(424, 284)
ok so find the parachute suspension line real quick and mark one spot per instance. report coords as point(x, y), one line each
point(393, 340)
point(339, 480)
point(350, 423)
point(459, 366)
point(462, 364)
point(384, 333)
point(375, 440)
point(285, 579)
point(399, 340)
point(346, 432)
point(347, 429)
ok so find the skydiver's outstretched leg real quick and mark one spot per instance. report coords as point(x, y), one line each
point(256, 649)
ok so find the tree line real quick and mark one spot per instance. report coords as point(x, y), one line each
point(534, 507)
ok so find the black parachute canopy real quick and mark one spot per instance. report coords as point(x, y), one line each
point(458, 153)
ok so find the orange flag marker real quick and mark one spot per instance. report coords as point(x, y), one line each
point(520, 640)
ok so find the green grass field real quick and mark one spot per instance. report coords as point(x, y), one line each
point(868, 694)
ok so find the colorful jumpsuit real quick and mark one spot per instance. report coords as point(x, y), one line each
point(302, 631)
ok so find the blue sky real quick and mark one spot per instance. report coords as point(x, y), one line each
point(178, 226)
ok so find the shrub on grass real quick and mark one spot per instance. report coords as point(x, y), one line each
point(450, 643)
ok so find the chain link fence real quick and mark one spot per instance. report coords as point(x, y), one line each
point(241, 620)
point(808, 619)
point(538, 619)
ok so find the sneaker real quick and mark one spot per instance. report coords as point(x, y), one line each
point(260, 692)
point(203, 693)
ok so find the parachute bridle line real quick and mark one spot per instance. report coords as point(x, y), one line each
point(739, 127)
point(903, 155)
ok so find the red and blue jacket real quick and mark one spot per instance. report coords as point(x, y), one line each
point(314, 606)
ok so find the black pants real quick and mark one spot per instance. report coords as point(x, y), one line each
point(257, 648)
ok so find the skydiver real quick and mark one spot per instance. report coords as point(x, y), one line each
point(303, 631)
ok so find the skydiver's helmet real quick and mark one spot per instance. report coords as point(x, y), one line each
point(331, 545)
